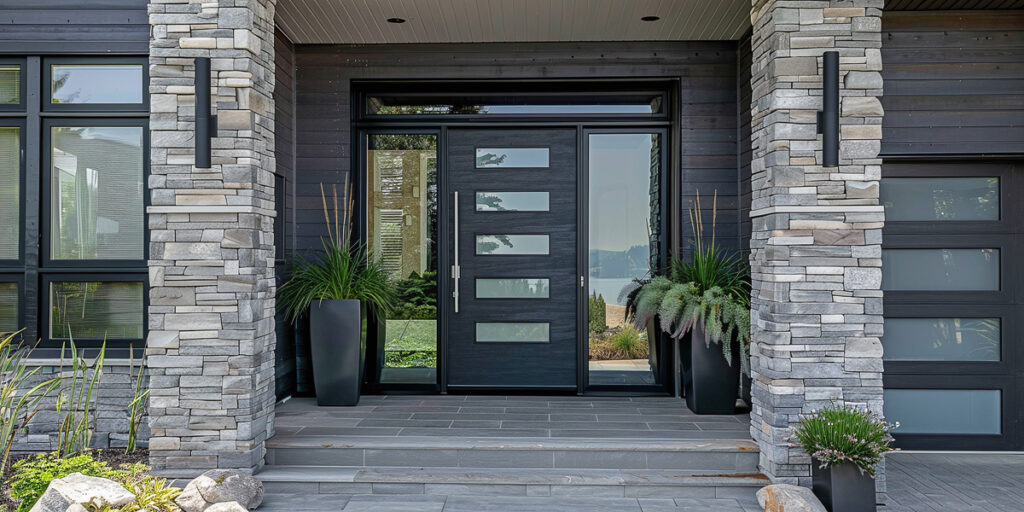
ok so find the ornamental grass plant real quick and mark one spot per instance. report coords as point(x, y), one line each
point(840, 433)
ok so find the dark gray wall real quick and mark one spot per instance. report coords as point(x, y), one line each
point(74, 26)
point(284, 146)
point(954, 82)
point(744, 150)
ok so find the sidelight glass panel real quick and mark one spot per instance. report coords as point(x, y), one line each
point(512, 288)
point(511, 157)
point(402, 225)
point(512, 201)
point(96, 310)
point(941, 339)
point(522, 245)
point(513, 332)
point(10, 192)
point(624, 213)
point(940, 269)
point(9, 301)
point(944, 411)
point(96, 83)
point(96, 193)
point(10, 84)
point(940, 199)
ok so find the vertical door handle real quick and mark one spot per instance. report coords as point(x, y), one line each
point(456, 269)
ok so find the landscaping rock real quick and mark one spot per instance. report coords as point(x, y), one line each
point(220, 486)
point(231, 506)
point(64, 493)
point(788, 498)
point(77, 507)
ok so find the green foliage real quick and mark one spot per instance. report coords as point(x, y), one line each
point(152, 494)
point(77, 399)
point(597, 313)
point(338, 273)
point(137, 407)
point(629, 341)
point(19, 399)
point(417, 297)
point(838, 434)
point(32, 475)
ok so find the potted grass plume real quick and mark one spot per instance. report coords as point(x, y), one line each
point(703, 304)
point(846, 444)
point(339, 289)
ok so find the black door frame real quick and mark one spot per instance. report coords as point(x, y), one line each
point(362, 126)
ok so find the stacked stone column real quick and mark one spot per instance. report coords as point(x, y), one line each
point(817, 232)
point(211, 314)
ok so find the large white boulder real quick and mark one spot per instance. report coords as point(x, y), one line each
point(788, 498)
point(76, 488)
point(220, 486)
point(230, 506)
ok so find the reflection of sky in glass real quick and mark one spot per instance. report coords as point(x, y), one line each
point(620, 211)
point(94, 83)
point(522, 332)
point(926, 411)
point(511, 157)
point(942, 339)
point(512, 201)
point(511, 244)
point(948, 199)
point(567, 109)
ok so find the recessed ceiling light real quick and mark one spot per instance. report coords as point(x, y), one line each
point(396, 20)
point(650, 18)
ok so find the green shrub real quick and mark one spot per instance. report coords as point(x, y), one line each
point(152, 494)
point(19, 400)
point(31, 476)
point(597, 310)
point(838, 434)
point(628, 340)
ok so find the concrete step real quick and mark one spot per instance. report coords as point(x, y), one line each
point(711, 456)
point(588, 483)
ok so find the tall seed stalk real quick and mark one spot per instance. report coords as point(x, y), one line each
point(19, 400)
point(137, 408)
point(77, 399)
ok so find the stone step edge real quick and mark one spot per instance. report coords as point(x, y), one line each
point(505, 443)
point(504, 476)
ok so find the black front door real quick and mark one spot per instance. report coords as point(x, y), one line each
point(513, 318)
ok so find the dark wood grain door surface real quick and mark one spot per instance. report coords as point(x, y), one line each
point(518, 278)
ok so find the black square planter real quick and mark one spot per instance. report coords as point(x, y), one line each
point(843, 488)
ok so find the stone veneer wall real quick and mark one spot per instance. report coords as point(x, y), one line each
point(211, 315)
point(817, 232)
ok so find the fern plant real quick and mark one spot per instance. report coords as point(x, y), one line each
point(712, 289)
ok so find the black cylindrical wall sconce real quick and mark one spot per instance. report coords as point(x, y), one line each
point(828, 117)
point(206, 123)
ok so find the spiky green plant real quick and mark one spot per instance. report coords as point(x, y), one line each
point(137, 407)
point(19, 399)
point(76, 401)
point(841, 433)
point(341, 271)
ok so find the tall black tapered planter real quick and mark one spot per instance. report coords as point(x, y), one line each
point(843, 488)
point(337, 334)
point(710, 382)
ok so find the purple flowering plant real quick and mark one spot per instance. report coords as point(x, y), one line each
point(842, 433)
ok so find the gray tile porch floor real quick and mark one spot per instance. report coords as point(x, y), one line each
point(961, 482)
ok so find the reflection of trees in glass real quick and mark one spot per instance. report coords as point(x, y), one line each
point(490, 160)
point(978, 338)
point(96, 310)
point(954, 203)
point(60, 79)
point(536, 288)
point(489, 202)
point(491, 243)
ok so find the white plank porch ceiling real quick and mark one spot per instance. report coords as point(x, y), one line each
point(480, 21)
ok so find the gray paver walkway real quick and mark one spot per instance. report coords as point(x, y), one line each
point(416, 503)
point(961, 482)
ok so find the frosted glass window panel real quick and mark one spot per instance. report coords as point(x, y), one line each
point(940, 269)
point(96, 83)
point(96, 193)
point(9, 301)
point(940, 199)
point(512, 201)
point(513, 332)
point(10, 192)
point(512, 288)
point(944, 411)
point(512, 157)
point(520, 245)
point(10, 84)
point(96, 310)
point(941, 339)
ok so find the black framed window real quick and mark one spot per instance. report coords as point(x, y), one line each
point(74, 163)
point(953, 296)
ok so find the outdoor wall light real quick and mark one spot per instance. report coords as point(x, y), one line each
point(828, 116)
point(206, 123)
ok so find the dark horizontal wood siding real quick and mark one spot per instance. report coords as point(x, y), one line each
point(284, 146)
point(954, 83)
point(706, 152)
point(930, 5)
point(74, 27)
point(744, 148)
